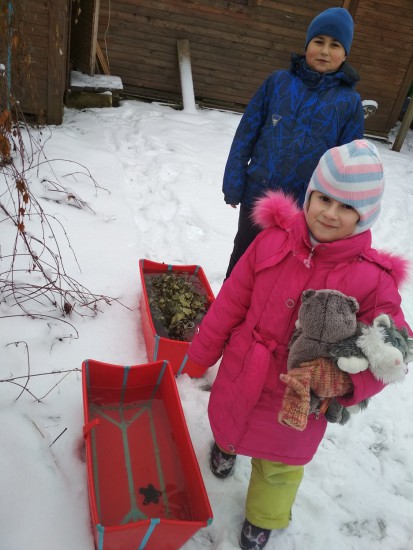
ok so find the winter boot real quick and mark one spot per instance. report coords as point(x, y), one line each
point(221, 464)
point(252, 537)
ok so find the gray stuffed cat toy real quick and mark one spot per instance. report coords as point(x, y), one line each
point(327, 327)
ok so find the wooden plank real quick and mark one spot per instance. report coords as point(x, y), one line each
point(58, 11)
point(405, 125)
point(203, 79)
point(202, 57)
point(94, 37)
point(154, 37)
point(52, 106)
point(102, 59)
point(172, 16)
point(390, 6)
point(404, 88)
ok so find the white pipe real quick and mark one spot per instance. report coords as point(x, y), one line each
point(184, 56)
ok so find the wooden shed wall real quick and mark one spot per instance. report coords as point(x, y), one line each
point(38, 39)
point(382, 52)
point(233, 47)
point(235, 44)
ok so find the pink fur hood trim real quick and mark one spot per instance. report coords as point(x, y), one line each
point(275, 209)
point(400, 267)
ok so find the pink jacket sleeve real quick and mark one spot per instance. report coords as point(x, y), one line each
point(225, 313)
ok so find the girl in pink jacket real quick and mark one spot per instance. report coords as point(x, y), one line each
point(325, 246)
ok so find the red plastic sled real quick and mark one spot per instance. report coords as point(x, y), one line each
point(145, 487)
point(161, 347)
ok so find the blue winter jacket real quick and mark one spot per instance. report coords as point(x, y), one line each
point(294, 117)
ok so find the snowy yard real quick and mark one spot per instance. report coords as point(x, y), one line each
point(158, 196)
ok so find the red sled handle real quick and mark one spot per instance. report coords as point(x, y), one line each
point(89, 426)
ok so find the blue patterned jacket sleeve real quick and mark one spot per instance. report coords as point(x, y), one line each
point(246, 136)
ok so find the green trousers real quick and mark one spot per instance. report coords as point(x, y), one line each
point(271, 493)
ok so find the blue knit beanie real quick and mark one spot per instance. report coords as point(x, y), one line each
point(334, 22)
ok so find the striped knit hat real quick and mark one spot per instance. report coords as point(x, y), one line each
point(351, 174)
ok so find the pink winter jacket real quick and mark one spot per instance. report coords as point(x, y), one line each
point(251, 321)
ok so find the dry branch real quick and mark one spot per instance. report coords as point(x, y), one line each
point(33, 276)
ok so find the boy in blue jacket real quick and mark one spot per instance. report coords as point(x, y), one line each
point(294, 118)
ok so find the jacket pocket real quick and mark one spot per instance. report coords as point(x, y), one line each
point(252, 378)
point(258, 176)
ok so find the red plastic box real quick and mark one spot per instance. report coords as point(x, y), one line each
point(160, 347)
point(145, 487)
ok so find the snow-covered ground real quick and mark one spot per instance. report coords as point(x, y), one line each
point(159, 175)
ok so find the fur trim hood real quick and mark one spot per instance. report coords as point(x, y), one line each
point(275, 209)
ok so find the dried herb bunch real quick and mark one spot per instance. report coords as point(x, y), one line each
point(176, 303)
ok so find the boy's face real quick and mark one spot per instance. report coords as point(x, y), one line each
point(330, 220)
point(324, 54)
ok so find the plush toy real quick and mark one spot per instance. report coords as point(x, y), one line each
point(325, 318)
point(327, 328)
point(381, 347)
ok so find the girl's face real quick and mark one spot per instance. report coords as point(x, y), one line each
point(330, 220)
point(324, 54)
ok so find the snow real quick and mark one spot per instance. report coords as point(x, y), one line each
point(158, 175)
point(80, 80)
